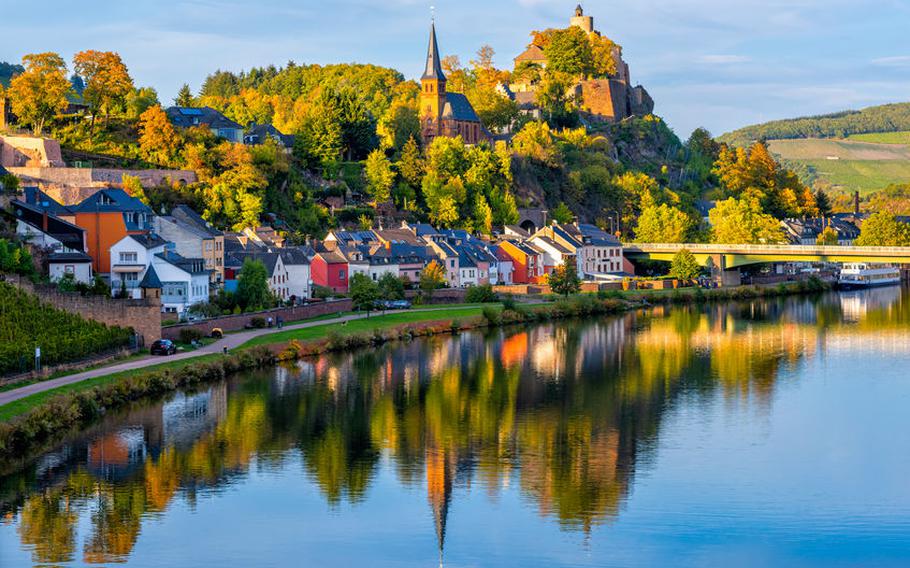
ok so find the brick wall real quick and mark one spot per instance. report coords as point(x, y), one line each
point(71, 185)
point(443, 296)
point(144, 316)
point(239, 322)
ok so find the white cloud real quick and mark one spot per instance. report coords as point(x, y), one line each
point(724, 59)
point(894, 61)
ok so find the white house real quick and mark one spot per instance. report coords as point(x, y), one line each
point(279, 278)
point(184, 281)
point(77, 265)
point(297, 266)
point(130, 258)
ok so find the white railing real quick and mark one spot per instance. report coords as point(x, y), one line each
point(796, 250)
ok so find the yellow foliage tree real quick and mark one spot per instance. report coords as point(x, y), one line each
point(107, 80)
point(40, 92)
point(157, 138)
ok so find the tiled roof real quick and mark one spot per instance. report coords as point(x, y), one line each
point(150, 280)
point(188, 265)
point(149, 241)
point(461, 107)
point(533, 53)
point(257, 134)
point(433, 69)
point(293, 256)
point(185, 117)
point(110, 200)
point(79, 257)
point(189, 216)
point(40, 200)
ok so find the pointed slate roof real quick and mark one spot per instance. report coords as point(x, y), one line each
point(433, 69)
point(150, 280)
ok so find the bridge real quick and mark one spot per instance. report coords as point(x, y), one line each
point(730, 258)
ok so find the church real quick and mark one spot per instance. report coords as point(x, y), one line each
point(443, 113)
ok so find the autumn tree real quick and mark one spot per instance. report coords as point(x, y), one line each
point(828, 237)
point(742, 221)
point(483, 215)
point(133, 186)
point(882, 229)
point(39, 93)
point(562, 214)
point(379, 176)
point(564, 278)
point(158, 140)
point(663, 224)
point(432, 278)
point(107, 80)
point(569, 51)
point(410, 164)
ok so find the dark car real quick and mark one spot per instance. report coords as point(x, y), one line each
point(163, 347)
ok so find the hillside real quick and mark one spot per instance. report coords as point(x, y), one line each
point(846, 165)
point(878, 119)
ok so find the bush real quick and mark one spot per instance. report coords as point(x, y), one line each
point(482, 294)
point(492, 315)
point(188, 335)
point(508, 302)
point(257, 322)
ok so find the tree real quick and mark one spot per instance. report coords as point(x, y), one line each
point(391, 287)
point(684, 266)
point(882, 229)
point(828, 237)
point(823, 203)
point(39, 93)
point(483, 215)
point(569, 51)
point(562, 214)
point(140, 100)
point(133, 186)
point(107, 80)
point(432, 278)
point(364, 292)
point(380, 177)
point(158, 140)
point(410, 164)
point(564, 278)
point(253, 286)
point(184, 97)
point(663, 224)
point(742, 221)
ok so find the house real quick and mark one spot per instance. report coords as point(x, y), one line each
point(184, 281)
point(264, 236)
point(45, 203)
point(337, 237)
point(278, 277)
point(76, 265)
point(411, 260)
point(398, 236)
point(375, 261)
point(258, 133)
point(130, 258)
point(329, 269)
point(297, 264)
point(527, 261)
point(504, 268)
point(448, 258)
point(220, 125)
point(41, 228)
point(193, 237)
point(467, 269)
point(554, 253)
point(597, 253)
point(108, 216)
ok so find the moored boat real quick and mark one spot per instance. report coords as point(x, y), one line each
point(864, 275)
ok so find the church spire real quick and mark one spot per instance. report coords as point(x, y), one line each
point(434, 62)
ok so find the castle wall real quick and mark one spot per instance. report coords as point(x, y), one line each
point(70, 186)
point(25, 151)
point(607, 99)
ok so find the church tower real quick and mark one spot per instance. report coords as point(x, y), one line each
point(433, 91)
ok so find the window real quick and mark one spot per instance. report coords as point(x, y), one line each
point(69, 269)
point(341, 274)
point(208, 246)
point(129, 257)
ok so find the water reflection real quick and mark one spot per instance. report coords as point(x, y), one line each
point(570, 412)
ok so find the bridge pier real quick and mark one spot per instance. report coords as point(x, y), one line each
point(731, 278)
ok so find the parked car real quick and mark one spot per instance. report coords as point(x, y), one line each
point(163, 347)
point(394, 305)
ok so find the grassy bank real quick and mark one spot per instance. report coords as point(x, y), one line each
point(33, 423)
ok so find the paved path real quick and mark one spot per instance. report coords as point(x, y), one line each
point(231, 341)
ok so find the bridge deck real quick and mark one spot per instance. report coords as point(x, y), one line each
point(741, 255)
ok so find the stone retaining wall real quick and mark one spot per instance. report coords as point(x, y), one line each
point(70, 186)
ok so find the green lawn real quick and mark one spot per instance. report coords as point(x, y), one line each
point(864, 176)
point(883, 137)
point(366, 325)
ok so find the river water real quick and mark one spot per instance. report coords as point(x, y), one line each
point(768, 433)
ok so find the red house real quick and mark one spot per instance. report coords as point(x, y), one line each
point(330, 270)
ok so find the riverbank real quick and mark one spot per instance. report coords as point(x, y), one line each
point(36, 421)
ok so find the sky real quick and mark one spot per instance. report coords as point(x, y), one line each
point(720, 64)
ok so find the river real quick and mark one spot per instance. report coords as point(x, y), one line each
point(766, 433)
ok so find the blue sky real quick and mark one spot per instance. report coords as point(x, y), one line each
point(720, 64)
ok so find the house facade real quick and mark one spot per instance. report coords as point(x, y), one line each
point(184, 281)
point(194, 238)
point(107, 217)
point(220, 125)
point(330, 270)
point(130, 258)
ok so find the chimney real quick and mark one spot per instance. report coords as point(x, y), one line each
point(44, 221)
point(856, 203)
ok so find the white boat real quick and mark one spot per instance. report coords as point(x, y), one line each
point(865, 275)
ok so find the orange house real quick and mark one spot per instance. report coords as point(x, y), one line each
point(107, 217)
point(527, 261)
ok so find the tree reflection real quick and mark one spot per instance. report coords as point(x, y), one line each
point(570, 411)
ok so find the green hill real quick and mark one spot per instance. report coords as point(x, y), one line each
point(879, 119)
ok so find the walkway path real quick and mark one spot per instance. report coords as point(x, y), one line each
point(231, 341)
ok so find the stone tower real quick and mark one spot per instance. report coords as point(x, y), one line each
point(433, 90)
point(579, 20)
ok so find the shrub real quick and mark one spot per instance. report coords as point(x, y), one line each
point(492, 315)
point(482, 294)
point(189, 335)
point(455, 326)
point(508, 302)
point(257, 322)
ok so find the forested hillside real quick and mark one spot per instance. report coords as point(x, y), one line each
point(7, 70)
point(885, 118)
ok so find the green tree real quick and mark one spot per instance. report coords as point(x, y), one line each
point(742, 221)
point(253, 286)
point(432, 278)
point(564, 278)
point(140, 100)
point(410, 165)
point(828, 237)
point(483, 215)
point(663, 224)
point(570, 52)
point(562, 214)
point(823, 203)
point(684, 266)
point(380, 176)
point(184, 97)
point(882, 229)
point(391, 287)
point(364, 292)
point(39, 93)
